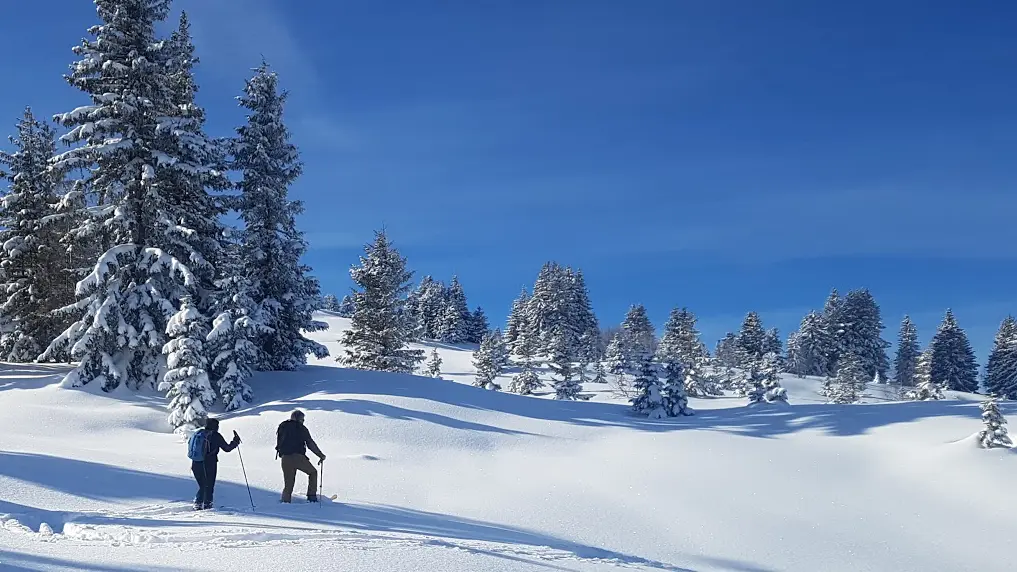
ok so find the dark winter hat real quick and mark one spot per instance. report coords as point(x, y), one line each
point(297, 415)
point(211, 424)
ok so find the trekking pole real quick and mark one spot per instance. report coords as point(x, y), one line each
point(242, 468)
point(321, 482)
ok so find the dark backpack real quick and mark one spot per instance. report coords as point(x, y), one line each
point(197, 446)
point(289, 438)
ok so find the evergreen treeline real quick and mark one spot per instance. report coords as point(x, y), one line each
point(114, 251)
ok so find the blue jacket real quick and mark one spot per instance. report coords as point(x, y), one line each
point(214, 442)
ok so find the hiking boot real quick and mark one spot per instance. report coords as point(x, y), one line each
point(312, 499)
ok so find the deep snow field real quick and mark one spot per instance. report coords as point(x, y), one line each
point(437, 475)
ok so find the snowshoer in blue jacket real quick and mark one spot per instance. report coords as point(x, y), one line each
point(205, 445)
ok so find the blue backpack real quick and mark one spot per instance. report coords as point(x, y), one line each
point(197, 446)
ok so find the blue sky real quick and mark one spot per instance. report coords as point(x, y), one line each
point(729, 155)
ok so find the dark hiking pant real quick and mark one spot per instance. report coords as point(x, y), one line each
point(290, 465)
point(204, 473)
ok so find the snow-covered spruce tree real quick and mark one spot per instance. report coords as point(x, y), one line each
point(906, 360)
point(380, 328)
point(676, 399)
point(346, 307)
point(478, 326)
point(726, 352)
point(427, 304)
point(599, 373)
point(851, 379)
point(774, 392)
point(793, 363)
point(235, 330)
point(833, 328)
point(1001, 370)
point(636, 340)
point(526, 382)
point(330, 302)
point(995, 434)
point(489, 360)
point(33, 279)
point(272, 246)
point(561, 358)
point(750, 342)
point(186, 379)
point(580, 310)
point(861, 330)
point(649, 399)
point(753, 387)
point(455, 321)
point(681, 344)
point(559, 300)
point(148, 167)
point(516, 320)
point(807, 357)
point(434, 364)
point(953, 360)
point(772, 343)
point(926, 388)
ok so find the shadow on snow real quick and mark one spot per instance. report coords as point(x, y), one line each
point(356, 392)
point(102, 482)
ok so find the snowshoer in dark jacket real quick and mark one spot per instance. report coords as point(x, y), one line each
point(292, 442)
point(205, 471)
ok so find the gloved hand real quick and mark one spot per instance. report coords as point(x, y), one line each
point(236, 437)
point(321, 459)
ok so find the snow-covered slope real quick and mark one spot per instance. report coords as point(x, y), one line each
point(438, 475)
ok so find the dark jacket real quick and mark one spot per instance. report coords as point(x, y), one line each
point(293, 438)
point(214, 442)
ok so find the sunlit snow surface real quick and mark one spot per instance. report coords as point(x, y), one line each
point(437, 475)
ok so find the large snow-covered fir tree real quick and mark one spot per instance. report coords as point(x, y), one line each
point(953, 360)
point(455, 325)
point(833, 328)
point(860, 331)
point(1001, 369)
point(649, 397)
point(995, 434)
point(560, 300)
point(751, 340)
point(140, 148)
point(186, 380)
point(33, 277)
point(236, 329)
point(926, 387)
point(271, 244)
point(380, 328)
point(908, 350)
